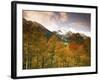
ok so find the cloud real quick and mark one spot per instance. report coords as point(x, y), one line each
point(59, 17)
point(38, 16)
point(46, 17)
point(50, 20)
point(58, 20)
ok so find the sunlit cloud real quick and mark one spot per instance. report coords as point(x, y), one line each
point(55, 21)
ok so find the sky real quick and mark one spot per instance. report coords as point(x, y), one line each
point(61, 21)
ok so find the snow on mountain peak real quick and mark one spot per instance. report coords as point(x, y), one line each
point(63, 31)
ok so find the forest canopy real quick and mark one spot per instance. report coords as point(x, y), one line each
point(45, 49)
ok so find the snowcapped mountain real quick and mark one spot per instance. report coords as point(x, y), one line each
point(64, 31)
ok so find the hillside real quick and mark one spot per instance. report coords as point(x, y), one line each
point(45, 49)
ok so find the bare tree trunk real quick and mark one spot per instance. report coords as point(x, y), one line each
point(43, 62)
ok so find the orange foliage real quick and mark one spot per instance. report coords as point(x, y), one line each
point(74, 46)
